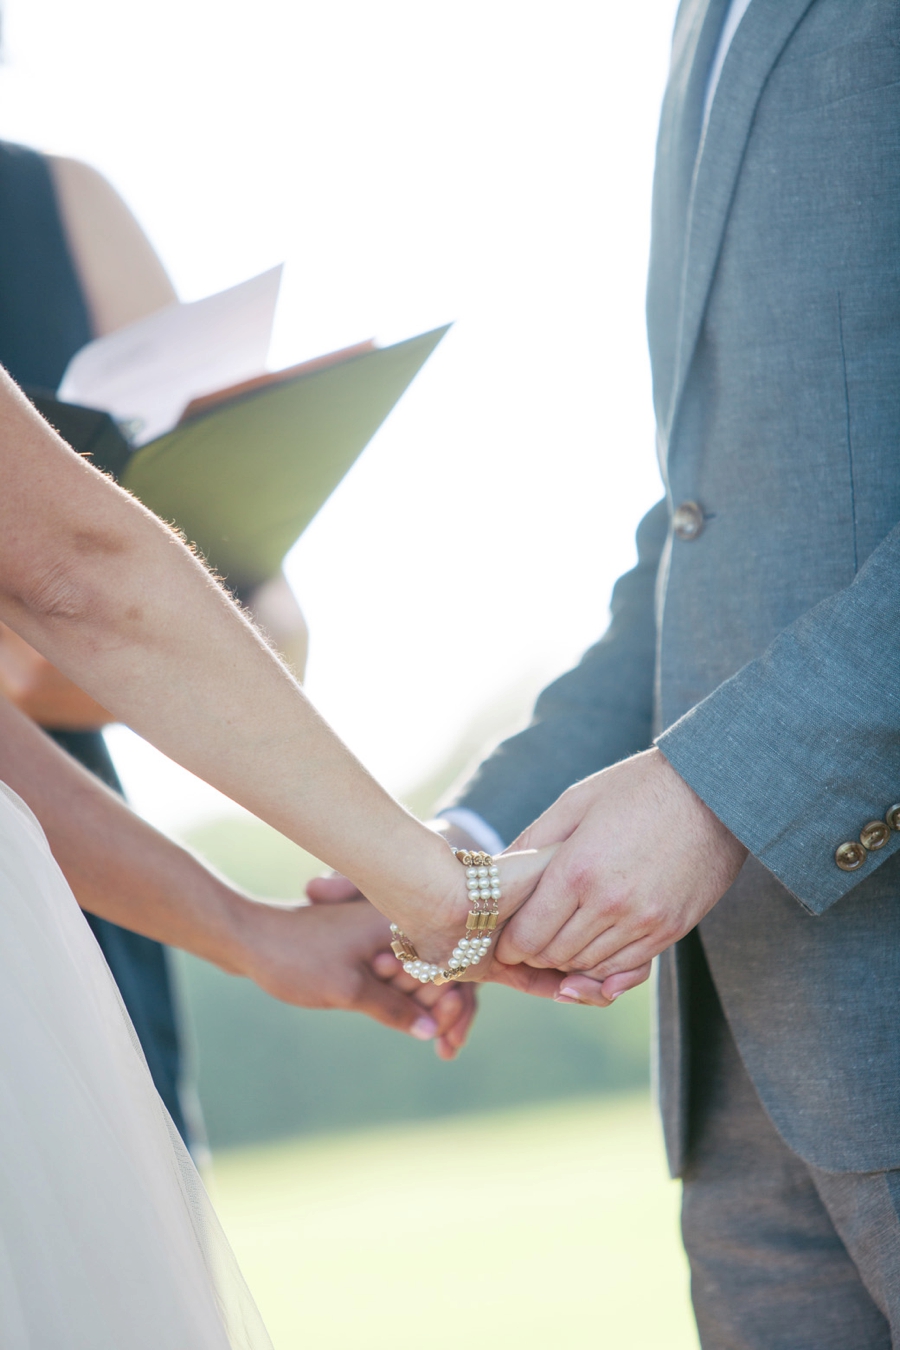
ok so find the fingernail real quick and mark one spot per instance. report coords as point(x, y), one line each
point(558, 998)
point(424, 1029)
point(612, 997)
point(570, 993)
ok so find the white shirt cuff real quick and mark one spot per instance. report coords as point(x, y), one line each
point(484, 835)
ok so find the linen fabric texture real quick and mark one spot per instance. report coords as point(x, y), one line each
point(764, 654)
point(784, 1255)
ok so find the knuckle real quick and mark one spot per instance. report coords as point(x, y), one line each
point(657, 913)
point(544, 960)
point(580, 879)
point(518, 946)
point(664, 928)
point(583, 962)
point(656, 922)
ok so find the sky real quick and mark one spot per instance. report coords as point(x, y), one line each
point(413, 162)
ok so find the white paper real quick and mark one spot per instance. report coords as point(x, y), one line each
point(146, 374)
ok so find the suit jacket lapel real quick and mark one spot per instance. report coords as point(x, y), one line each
point(697, 28)
point(758, 43)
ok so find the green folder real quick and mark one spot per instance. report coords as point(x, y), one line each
point(245, 477)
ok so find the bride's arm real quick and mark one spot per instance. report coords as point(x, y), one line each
point(122, 869)
point(109, 594)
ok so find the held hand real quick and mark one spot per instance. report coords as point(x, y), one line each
point(434, 917)
point(456, 1004)
point(337, 890)
point(453, 1006)
point(643, 860)
point(511, 879)
point(334, 957)
point(545, 983)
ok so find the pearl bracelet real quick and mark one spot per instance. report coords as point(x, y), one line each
point(483, 884)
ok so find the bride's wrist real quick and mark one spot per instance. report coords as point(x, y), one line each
point(431, 896)
point(482, 904)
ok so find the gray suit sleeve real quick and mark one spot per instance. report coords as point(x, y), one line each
point(598, 713)
point(801, 748)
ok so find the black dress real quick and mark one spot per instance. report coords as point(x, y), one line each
point(43, 322)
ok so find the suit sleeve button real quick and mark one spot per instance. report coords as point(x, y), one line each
point(687, 520)
point(874, 835)
point(850, 856)
point(892, 816)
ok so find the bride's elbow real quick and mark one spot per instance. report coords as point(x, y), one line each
point(75, 584)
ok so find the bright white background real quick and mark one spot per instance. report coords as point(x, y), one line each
point(487, 161)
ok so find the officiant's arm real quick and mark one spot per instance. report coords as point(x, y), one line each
point(121, 275)
point(122, 869)
point(122, 279)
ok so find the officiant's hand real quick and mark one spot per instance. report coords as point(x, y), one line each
point(641, 860)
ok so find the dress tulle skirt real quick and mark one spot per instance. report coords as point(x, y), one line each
point(107, 1237)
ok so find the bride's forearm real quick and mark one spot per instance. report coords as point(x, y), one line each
point(117, 865)
point(113, 598)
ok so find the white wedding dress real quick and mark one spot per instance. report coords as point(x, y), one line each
point(107, 1237)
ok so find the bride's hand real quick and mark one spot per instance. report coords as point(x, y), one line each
point(452, 1006)
point(433, 918)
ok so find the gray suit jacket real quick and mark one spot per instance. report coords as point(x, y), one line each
point(765, 652)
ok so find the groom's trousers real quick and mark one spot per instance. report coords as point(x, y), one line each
point(784, 1255)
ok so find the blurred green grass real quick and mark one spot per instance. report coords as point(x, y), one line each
point(267, 1071)
point(523, 1228)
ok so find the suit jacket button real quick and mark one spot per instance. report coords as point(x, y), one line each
point(687, 520)
point(892, 816)
point(874, 835)
point(850, 856)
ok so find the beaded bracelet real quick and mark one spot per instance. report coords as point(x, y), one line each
point(483, 883)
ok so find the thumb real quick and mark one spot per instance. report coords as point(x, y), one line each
point(575, 988)
point(539, 982)
point(331, 890)
point(385, 1004)
point(520, 872)
point(558, 822)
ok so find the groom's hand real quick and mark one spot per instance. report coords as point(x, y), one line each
point(644, 859)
